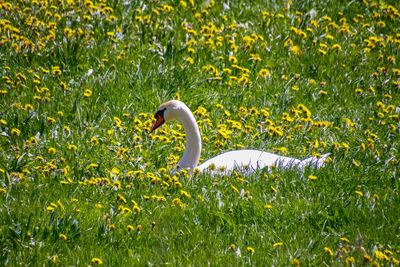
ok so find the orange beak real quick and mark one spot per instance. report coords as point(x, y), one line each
point(159, 121)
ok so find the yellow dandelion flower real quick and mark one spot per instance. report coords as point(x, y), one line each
point(87, 93)
point(52, 150)
point(56, 70)
point(350, 261)
point(295, 50)
point(54, 258)
point(51, 120)
point(233, 59)
point(16, 131)
point(264, 73)
point(96, 261)
point(250, 250)
point(277, 244)
point(72, 147)
point(62, 237)
point(295, 262)
point(328, 251)
point(359, 193)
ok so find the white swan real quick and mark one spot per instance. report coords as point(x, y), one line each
point(248, 160)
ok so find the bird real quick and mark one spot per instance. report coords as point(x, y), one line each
point(247, 160)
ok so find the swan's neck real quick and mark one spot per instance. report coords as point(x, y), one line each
point(191, 156)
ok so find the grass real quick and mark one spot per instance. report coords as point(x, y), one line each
point(83, 182)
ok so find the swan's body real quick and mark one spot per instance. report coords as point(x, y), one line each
point(248, 160)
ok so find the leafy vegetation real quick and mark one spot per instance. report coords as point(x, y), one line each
point(83, 182)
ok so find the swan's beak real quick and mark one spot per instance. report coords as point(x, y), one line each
point(159, 121)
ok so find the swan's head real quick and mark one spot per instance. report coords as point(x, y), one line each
point(167, 112)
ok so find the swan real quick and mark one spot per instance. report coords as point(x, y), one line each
point(247, 159)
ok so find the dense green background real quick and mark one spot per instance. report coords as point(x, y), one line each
point(82, 181)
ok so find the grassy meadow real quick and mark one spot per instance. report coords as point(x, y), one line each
point(83, 182)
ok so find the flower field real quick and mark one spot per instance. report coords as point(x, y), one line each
point(84, 182)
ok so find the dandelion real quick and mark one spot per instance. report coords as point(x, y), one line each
point(350, 260)
point(277, 244)
point(16, 131)
point(62, 237)
point(51, 120)
point(379, 255)
point(264, 73)
point(295, 262)
point(295, 50)
point(72, 147)
point(328, 251)
point(96, 261)
point(54, 258)
point(250, 250)
point(189, 60)
point(56, 71)
point(358, 91)
point(233, 59)
point(87, 93)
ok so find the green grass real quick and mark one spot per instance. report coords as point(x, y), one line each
point(83, 182)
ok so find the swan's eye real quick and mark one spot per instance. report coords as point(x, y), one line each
point(159, 113)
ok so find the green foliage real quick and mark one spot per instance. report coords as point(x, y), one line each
point(83, 182)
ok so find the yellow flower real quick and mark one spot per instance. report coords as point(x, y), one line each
point(233, 59)
point(328, 251)
point(87, 93)
point(250, 250)
point(189, 60)
point(54, 258)
point(295, 50)
point(56, 70)
point(72, 147)
point(350, 260)
point(277, 244)
point(264, 73)
point(16, 131)
point(51, 120)
point(62, 237)
point(296, 262)
point(52, 150)
point(96, 261)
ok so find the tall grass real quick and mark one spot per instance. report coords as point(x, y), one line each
point(83, 182)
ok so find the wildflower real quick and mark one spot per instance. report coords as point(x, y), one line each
point(16, 131)
point(250, 250)
point(379, 255)
point(233, 59)
point(264, 73)
point(328, 251)
point(72, 147)
point(277, 244)
point(62, 237)
point(54, 258)
point(130, 228)
point(52, 150)
point(295, 262)
point(189, 60)
point(268, 206)
point(96, 261)
point(56, 70)
point(178, 202)
point(51, 120)
point(350, 260)
point(295, 50)
point(87, 93)
point(312, 177)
